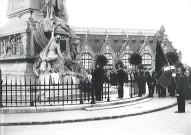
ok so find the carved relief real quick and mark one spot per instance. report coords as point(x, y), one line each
point(20, 46)
point(3, 47)
point(12, 46)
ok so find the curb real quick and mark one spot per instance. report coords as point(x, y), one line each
point(86, 119)
point(41, 109)
point(118, 105)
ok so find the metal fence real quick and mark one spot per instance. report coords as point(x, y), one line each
point(32, 93)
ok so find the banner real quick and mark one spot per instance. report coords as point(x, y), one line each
point(163, 72)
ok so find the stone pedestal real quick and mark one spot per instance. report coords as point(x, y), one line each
point(56, 78)
point(19, 69)
point(16, 61)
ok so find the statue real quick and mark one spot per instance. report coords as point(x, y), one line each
point(20, 49)
point(162, 29)
point(52, 60)
point(74, 52)
point(3, 47)
point(53, 7)
point(9, 45)
point(13, 44)
point(61, 25)
point(50, 53)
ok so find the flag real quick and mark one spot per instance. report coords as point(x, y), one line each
point(163, 73)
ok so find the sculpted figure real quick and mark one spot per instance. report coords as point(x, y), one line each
point(63, 13)
point(54, 11)
point(20, 49)
point(52, 7)
point(74, 49)
point(9, 46)
point(50, 53)
point(3, 47)
point(14, 45)
point(60, 23)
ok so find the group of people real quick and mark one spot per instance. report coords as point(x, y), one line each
point(183, 87)
point(141, 77)
point(180, 86)
point(119, 77)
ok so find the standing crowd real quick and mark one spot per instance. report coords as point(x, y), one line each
point(141, 77)
point(179, 86)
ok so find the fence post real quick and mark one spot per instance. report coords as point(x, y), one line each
point(131, 86)
point(1, 82)
point(92, 88)
point(108, 93)
point(31, 98)
point(81, 101)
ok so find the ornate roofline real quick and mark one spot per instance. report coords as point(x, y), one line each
point(167, 39)
point(86, 41)
point(105, 43)
point(126, 43)
point(114, 31)
point(145, 43)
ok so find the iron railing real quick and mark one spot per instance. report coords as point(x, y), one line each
point(32, 93)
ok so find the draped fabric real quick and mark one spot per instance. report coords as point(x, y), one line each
point(39, 39)
point(40, 44)
point(43, 54)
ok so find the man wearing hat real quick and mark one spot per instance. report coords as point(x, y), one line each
point(180, 89)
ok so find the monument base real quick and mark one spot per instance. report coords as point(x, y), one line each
point(17, 71)
point(56, 78)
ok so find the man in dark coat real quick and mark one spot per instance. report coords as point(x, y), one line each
point(188, 85)
point(145, 77)
point(180, 90)
point(121, 75)
point(141, 83)
point(97, 78)
point(172, 87)
point(150, 83)
point(113, 78)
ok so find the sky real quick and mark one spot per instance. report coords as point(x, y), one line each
point(143, 14)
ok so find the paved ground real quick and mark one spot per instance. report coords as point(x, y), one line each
point(164, 122)
point(150, 105)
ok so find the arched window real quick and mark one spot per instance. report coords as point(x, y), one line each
point(86, 60)
point(109, 65)
point(147, 60)
point(125, 60)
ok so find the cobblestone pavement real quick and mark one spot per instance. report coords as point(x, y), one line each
point(83, 115)
point(164, 122)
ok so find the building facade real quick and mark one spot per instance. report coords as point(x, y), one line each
point(118, 44)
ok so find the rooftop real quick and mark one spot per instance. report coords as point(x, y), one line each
point(114, 31)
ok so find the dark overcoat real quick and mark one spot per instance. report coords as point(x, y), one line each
point(180, 90)
point(97, 79)
point(121, 76)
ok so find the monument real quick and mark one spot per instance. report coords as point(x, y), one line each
point(38, 41)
